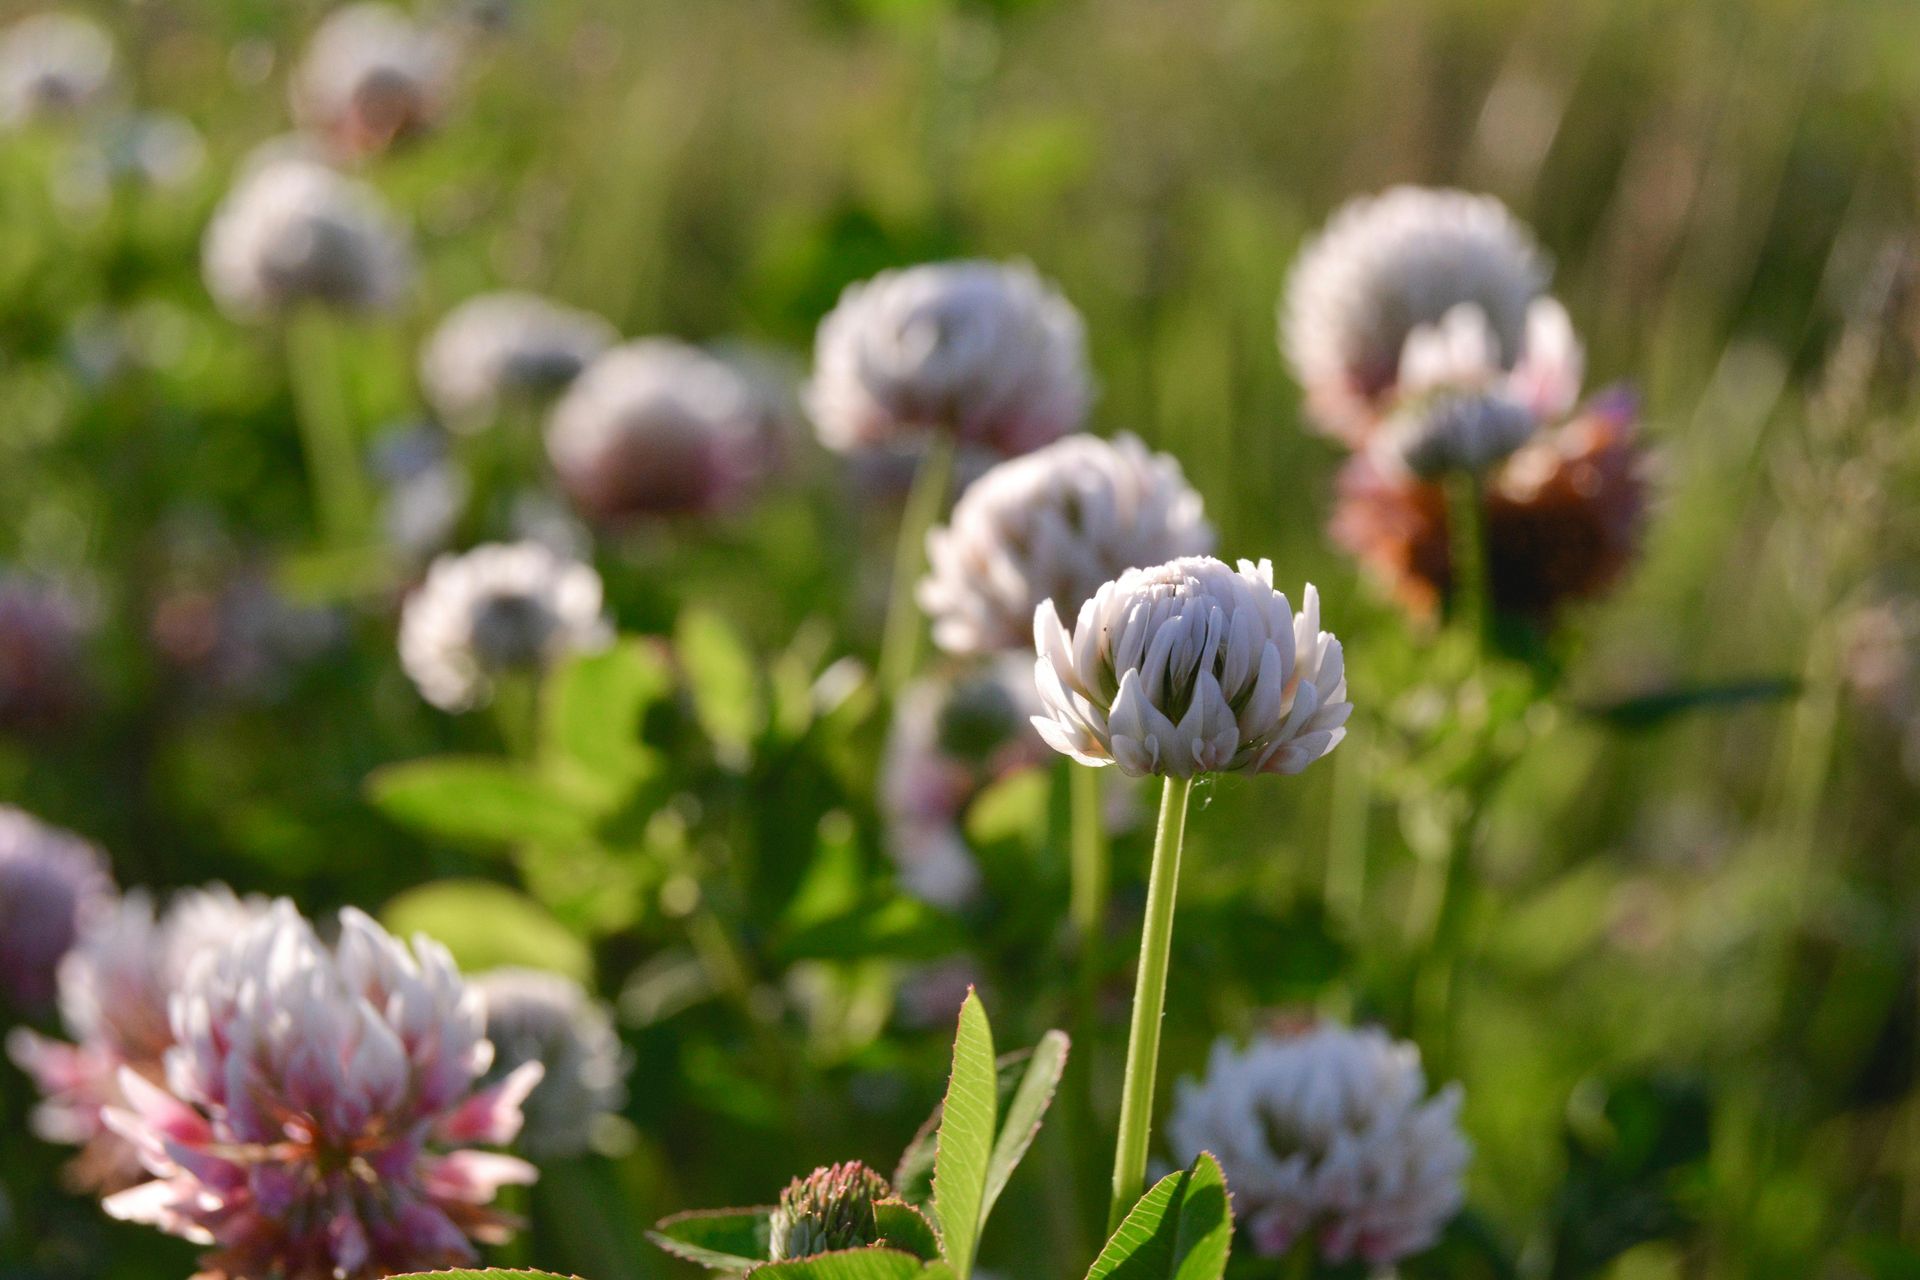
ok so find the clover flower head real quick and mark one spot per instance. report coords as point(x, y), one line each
point(320, 1106)
point(506, 347)
point(1330, 1134)
point(51, 883)
point(43, 633)
point(657, 427)
point(293, 231)
point(370, 77)
point(551, 1020)
point(1054, 525)
point(498, 609)
point(988, 352)
point(1191, 667)
point(53, 66)
point(114, 987)
point(1384, 267)
point(831, 1208)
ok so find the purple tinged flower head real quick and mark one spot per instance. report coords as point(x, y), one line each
point(51, 882)
point(43, 634)
point(318, 1107)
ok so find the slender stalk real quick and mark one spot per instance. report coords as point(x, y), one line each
point(516, 712)
point(1149, 1003)
point(1470, 602)
point(900, 642)
point(325, 419)
point(1345, 885)
point(1091, 854)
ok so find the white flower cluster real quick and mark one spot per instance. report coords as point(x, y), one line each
point(503, 347)
point(1054, 525)
point(294, 231)
point(1191, 667)
point(370, 76)
point(1330, 1133)
point(500, 608)
point(988, 352)
point(545, 1018)
point(53, 65)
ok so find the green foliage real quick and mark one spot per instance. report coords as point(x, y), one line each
point(855, 1264)
point(488, 925)
point(722, 677)
point(483, 801)
point(731, 1240)
point(1181, 1229)
point(964, 1147)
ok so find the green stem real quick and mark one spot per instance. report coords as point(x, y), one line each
point(1092, 857)
point(900, 642)
point(1345, 886)
point(318, 381)
point(516, 712)
point(1149, 1003)
point(1470, 601)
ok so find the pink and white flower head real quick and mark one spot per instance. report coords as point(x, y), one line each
point(950, 738)
point(545, 1018)
point(1457, 409)
point(51, 883)
point(657, 427)
point(1329, 1134)
point(53, 66)
point(1387, 265)
point(371, 76)
point(505, 348)
point(293, 231)
point(114, 988)
point(1054, 525)
point(1191, 667)
point(319, 1108)
point(986, 351)
point(499, 609)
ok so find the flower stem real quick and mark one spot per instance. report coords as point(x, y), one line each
point(1470, 602)
point(317, 378)
point(1091, 856)
point(1149, 1003)
point(900, 642)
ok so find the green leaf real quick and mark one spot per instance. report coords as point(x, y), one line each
point(723, 1239)
point(899, 928)
point(1013, 808)
point(904, 1227)
point(487, 925)
point(1022, 1123)
point(721, 675)
point(471, 798)
point(492, 1273)
point(847, 1264)
point(913, 1175)
point(965, 1144)
point(593, 709)
point(1181, 1229)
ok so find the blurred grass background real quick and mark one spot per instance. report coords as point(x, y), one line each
point(1713, 918)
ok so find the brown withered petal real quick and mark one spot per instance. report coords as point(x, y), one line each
point(1564, 517)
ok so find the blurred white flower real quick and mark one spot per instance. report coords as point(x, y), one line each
point(51, 883)
point(1054, 525)
point(545, 1018)
point(319, 1107)
point(1190, 667)
point(294, 231)
point(1330, 1133)
point(53, 65)
point(657, 427)
point(989, 352)
point(1383, 267)
point(114, 988)
point(370, 77)
point(506, 347)
point(497, 609)
point(1456, 407)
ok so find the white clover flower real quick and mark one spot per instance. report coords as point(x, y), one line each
point(502, 347)
point(371, 76)
point(986, 351)
point(320, 1107)
point(1330, 1133)
point(293, 231)
point(657, 427)
point(1054, 525)
point(1383, 267)
point(53, 65)
point(497, 609)
point(114, 988)
point(51, 882)
point(545, 1018)
point(1190, 667)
